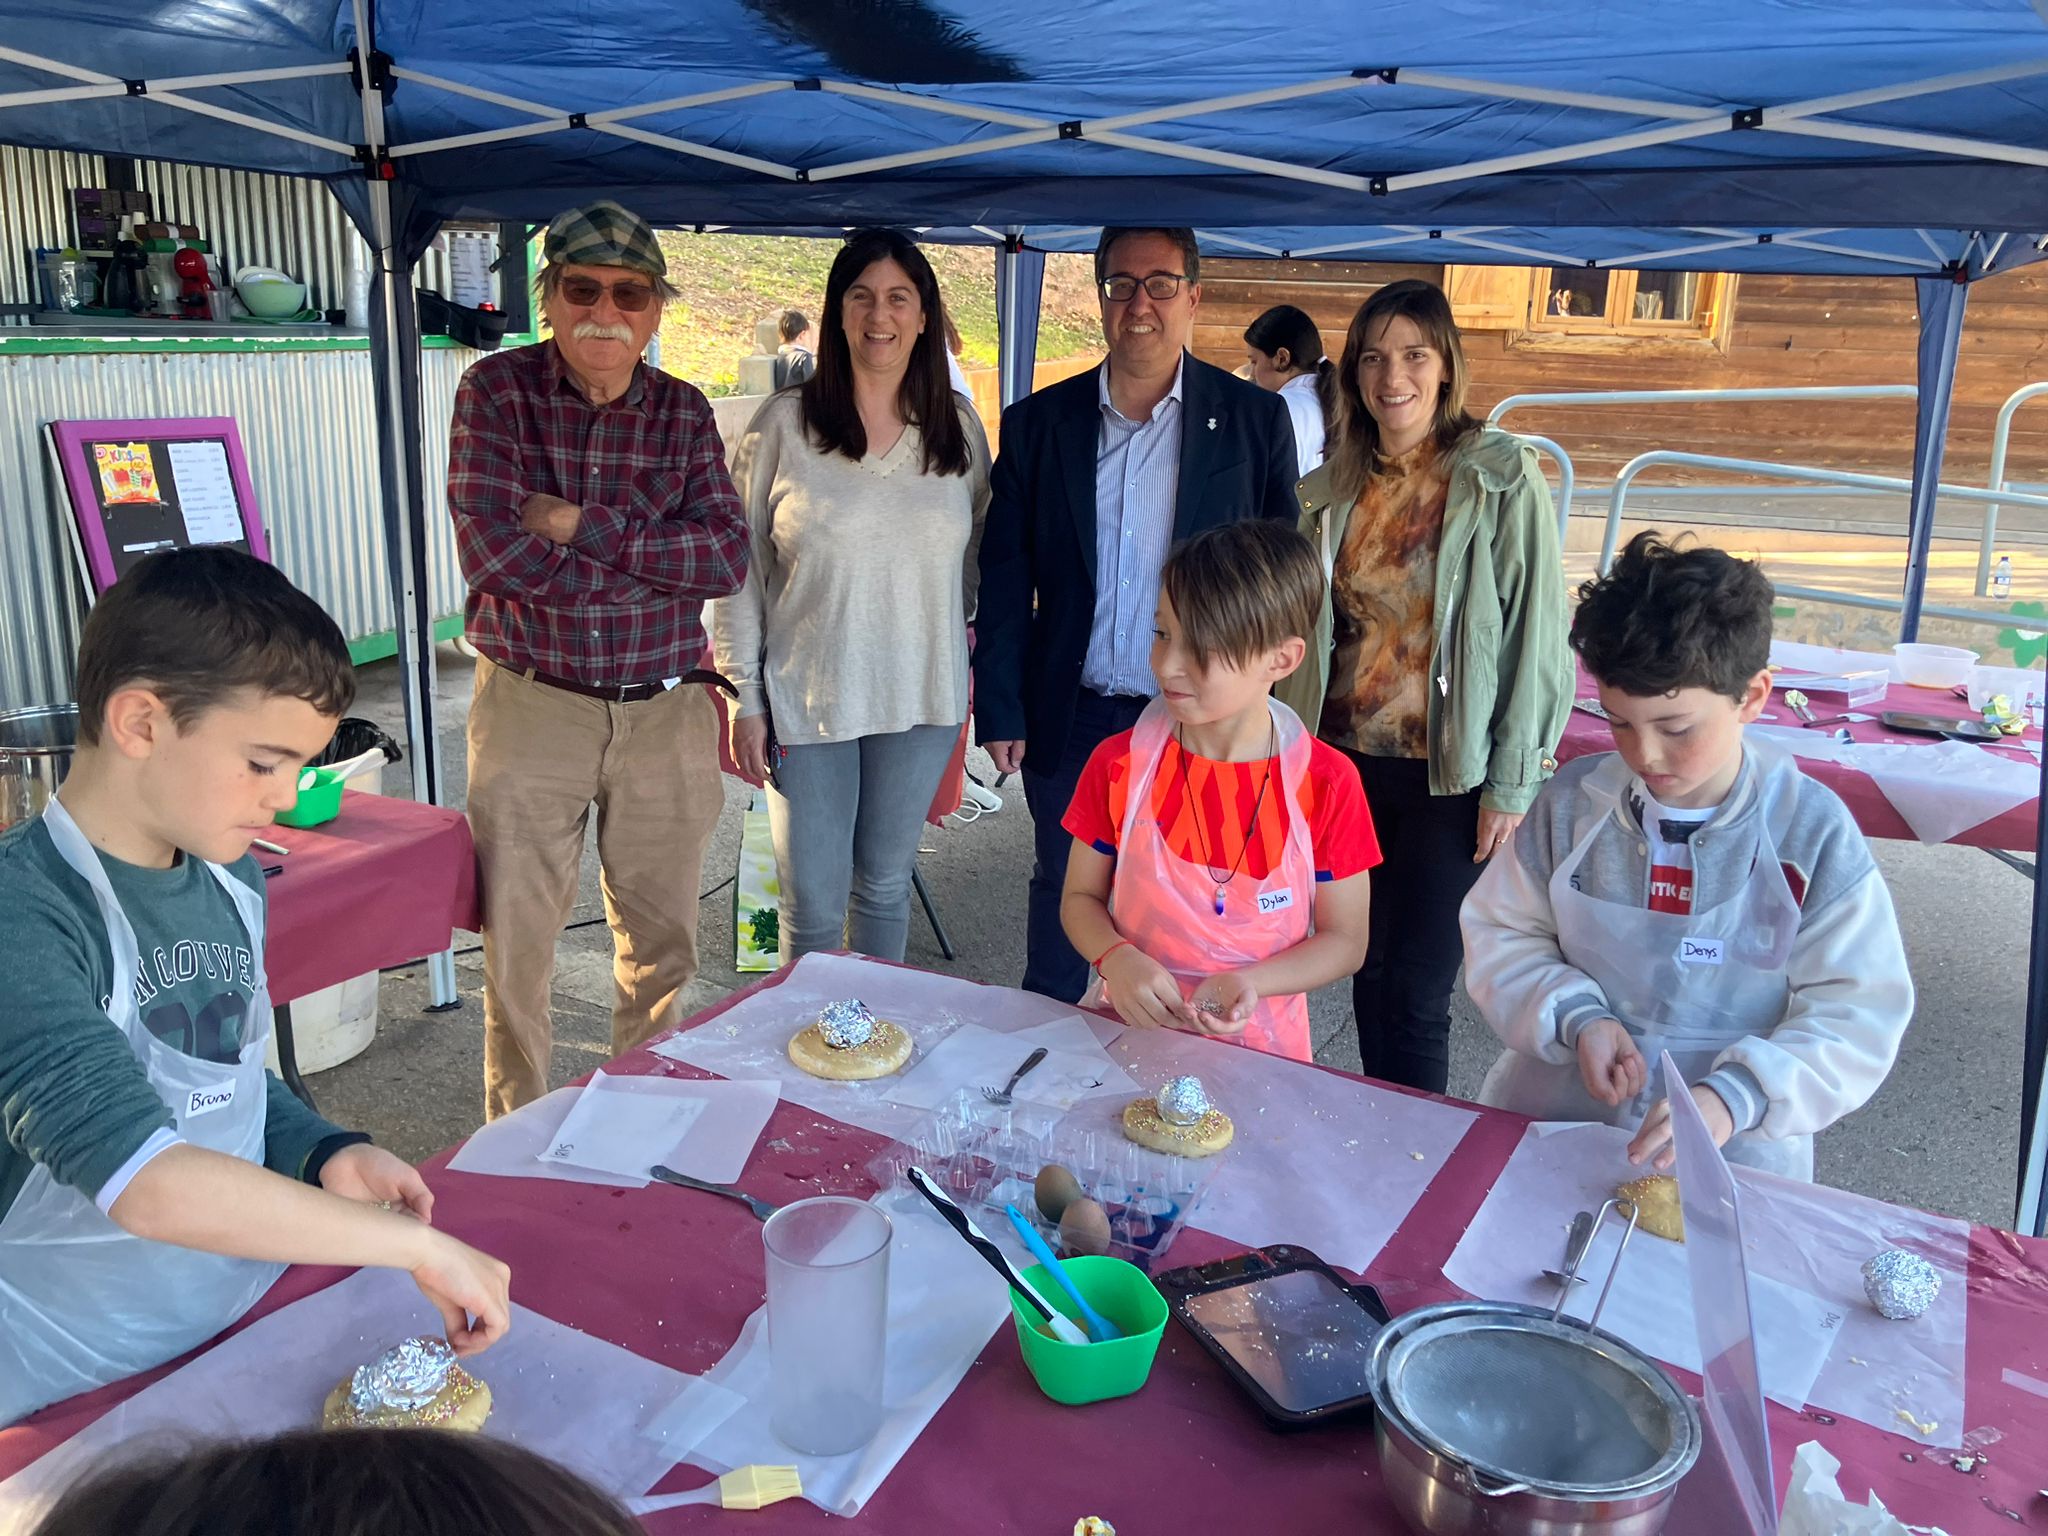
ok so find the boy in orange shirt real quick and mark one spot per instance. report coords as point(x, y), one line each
point(1221, 851)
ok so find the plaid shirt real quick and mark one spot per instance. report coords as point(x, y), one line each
point(662, 529)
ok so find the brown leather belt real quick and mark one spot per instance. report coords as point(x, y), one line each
point(628, 693)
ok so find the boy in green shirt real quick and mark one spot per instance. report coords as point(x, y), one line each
point(154, 1177)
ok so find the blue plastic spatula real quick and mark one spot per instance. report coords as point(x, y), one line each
point(1100, 1328)
point(1061, 1325)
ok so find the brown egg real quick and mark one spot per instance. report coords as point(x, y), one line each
point(1084, 1228)
point(1056, 1189)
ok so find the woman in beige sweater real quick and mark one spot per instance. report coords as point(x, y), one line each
point(865, 488)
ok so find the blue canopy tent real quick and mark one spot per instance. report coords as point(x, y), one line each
point(1618, 135)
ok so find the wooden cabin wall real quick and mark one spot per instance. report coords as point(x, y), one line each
point(1783, 331)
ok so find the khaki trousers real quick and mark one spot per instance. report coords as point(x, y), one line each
point(539, 758)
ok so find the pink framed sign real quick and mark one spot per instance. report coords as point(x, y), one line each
point(136, 487)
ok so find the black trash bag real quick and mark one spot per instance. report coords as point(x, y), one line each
point(353, 737)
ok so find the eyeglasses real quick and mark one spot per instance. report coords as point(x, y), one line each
point(584, 292)
point(1160, 285)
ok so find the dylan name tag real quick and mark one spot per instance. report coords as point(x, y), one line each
point(1275, 901)
point(204, 1101)
point(1700, 951)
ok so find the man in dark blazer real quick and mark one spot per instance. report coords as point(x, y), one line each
point(1097, 477)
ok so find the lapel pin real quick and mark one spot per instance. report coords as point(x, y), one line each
point(1212, 423)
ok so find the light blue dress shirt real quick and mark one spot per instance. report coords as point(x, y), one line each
point(1137, 483)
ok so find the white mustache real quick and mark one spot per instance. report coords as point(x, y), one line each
point(591, 330)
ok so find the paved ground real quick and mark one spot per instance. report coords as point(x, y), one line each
point(1943, 1133)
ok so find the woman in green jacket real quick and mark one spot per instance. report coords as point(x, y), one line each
point(1440, 665)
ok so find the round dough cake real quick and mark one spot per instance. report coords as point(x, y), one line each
point(884, 1052)
point(461, 1403)
point(1148, 1128)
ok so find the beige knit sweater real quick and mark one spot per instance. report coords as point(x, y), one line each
point(853, 620)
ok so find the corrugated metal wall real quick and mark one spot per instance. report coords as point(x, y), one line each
point(308, 422)
point(307, 418)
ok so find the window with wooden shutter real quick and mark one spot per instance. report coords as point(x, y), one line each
point(1490, 298)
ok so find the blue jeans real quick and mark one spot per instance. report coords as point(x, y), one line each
point(1050, 965)
point(846, 819)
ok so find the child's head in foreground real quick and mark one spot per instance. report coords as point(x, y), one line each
point(393, 1482)
point(205, 682)
point(1236, 607)
point(1679, 642)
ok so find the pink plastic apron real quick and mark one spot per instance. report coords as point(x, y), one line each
point(1166, 905)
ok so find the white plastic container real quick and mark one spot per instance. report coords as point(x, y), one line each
point(337, 1023)
point(1932, 666)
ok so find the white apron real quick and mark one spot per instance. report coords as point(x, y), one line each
point(1168, 906)
point(82, 1302)
point(1654, 970)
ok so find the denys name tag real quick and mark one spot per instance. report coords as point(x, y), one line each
point(1701, 951)
point(204, 1101)
point(1275, 901)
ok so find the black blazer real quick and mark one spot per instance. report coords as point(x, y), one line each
point(1038, 546)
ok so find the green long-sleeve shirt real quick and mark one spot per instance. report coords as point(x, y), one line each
point(74, 1096)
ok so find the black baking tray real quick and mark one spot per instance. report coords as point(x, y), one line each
point(1354, 1309)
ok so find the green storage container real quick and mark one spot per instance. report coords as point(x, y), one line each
point(1092, 1373)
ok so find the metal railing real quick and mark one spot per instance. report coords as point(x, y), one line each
point(1611, 536)
point(2001, 437)
point(1997, 493)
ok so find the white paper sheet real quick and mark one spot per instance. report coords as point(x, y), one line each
point(206, 492)
point(565, 1394)
point(944, 1303)
point(728, 1119)
point(1327, 1162)
point(620, 1132)
point(973, 1058)
point(750, 1041)
point(1806, 1246)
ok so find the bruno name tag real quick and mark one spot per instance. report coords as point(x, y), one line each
point(204, 1101)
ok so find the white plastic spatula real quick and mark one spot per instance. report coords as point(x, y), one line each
point(350, 767)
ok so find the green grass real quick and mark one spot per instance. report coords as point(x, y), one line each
point(728, 282)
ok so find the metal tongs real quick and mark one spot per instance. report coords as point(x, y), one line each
point(1577, 1257)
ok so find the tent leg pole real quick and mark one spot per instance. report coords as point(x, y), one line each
point(1942, 301)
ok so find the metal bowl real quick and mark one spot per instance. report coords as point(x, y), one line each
point(1495, 1420)
point(35, 753)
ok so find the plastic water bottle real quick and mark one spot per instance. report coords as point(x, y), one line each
point(2001, 579)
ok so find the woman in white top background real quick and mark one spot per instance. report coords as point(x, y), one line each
point(865, 489)
point(1285, 353)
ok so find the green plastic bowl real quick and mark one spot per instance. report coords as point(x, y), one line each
point(318, 803)
point(1092, 1373)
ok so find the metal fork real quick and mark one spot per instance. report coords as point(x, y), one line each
point(1002, 1095)
point(761, 1208)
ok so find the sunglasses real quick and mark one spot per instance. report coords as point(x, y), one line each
point(584, 292)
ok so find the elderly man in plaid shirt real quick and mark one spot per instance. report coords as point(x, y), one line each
point(593, 516)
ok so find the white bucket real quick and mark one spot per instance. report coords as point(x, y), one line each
point(337, 1023)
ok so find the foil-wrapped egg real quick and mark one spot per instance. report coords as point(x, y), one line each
point(406, 1377)
point(1900, 1285)
point(1184, 1101)
point(846, 1024)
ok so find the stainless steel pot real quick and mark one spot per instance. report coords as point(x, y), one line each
point(1499, 1420)
point(35, 754)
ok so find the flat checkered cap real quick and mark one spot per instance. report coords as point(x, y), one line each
point(602, 234)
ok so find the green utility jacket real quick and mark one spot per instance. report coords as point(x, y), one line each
point(1502, 667)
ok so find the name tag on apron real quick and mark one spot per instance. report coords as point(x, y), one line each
point(1275, 901)
point(1700, 951)
point(204, 1101)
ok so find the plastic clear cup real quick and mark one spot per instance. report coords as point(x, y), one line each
point(828, 1316)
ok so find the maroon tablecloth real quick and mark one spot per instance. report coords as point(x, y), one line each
point(387, 881)
point(1585, 733)
point(673, 1276)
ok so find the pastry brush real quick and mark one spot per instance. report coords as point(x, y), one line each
point(741, 1488)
